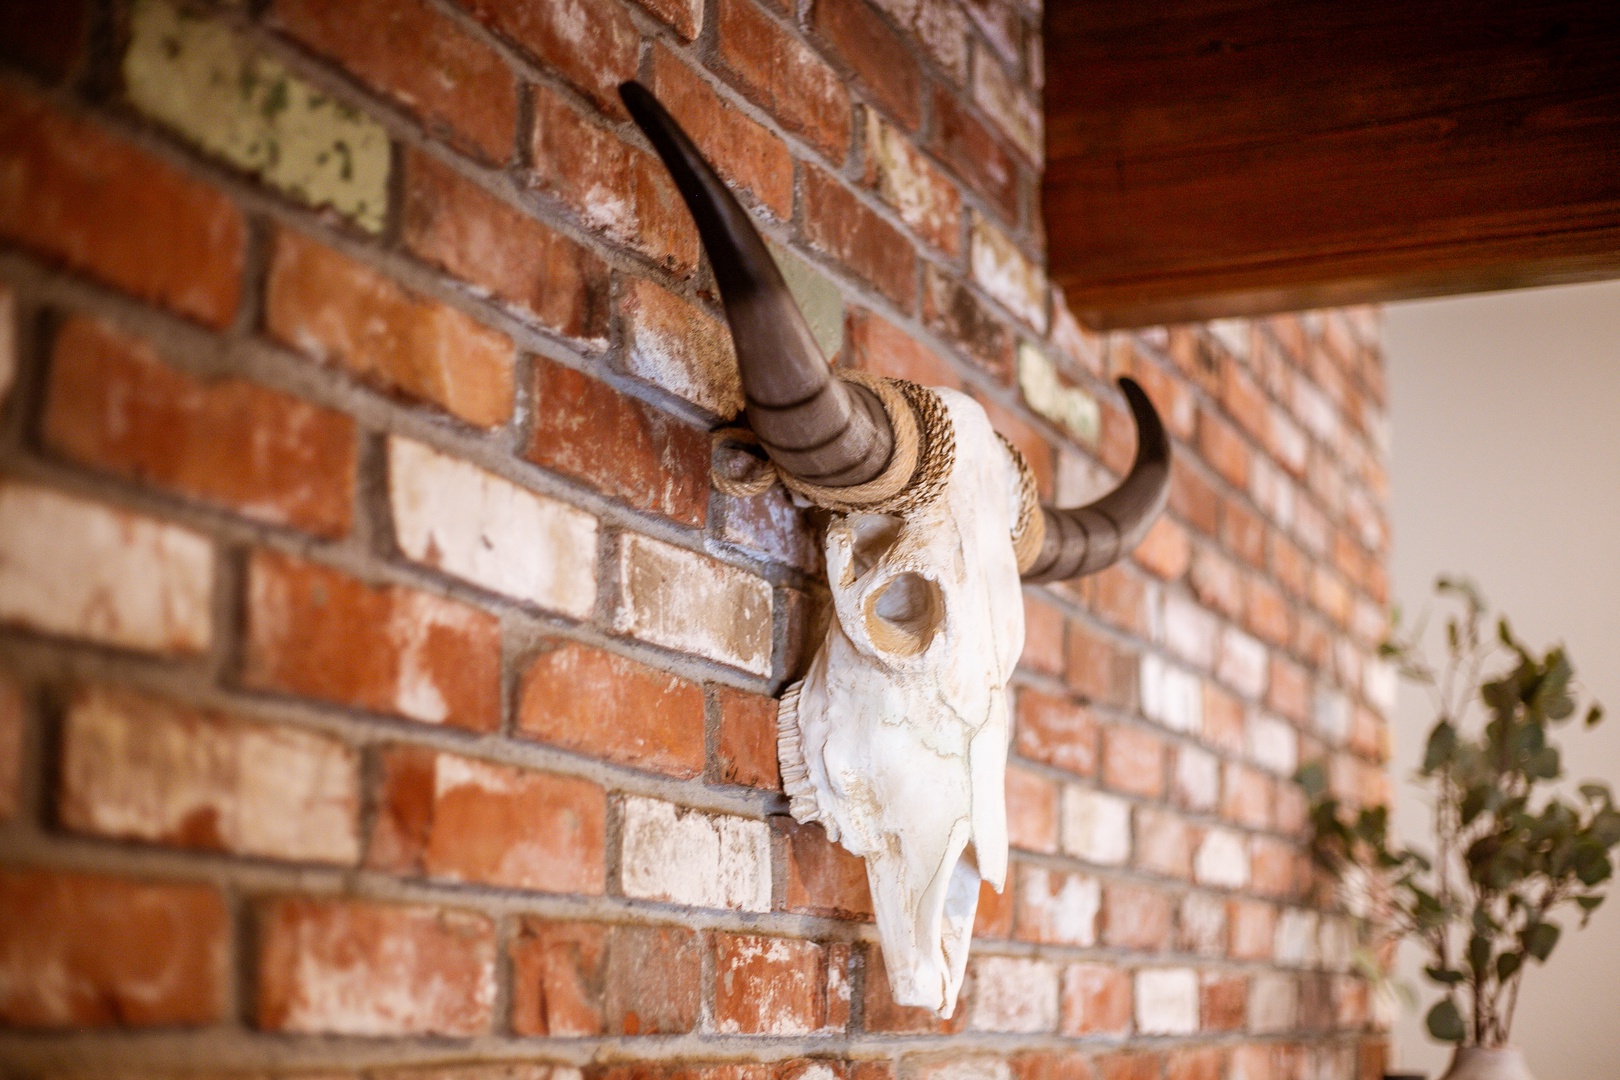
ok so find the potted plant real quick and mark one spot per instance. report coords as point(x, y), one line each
point(1513, 847)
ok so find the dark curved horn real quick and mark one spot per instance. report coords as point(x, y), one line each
point(1089, 538)
point(817, 427)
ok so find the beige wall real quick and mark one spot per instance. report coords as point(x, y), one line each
point(1506, 466)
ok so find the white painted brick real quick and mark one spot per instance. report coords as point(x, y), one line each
point(1233, 334)
point(1171, 695)
point(1222, 860)
point(1203, 924)
point(690, 602)
point(688, 857)
point(1288, 441)
point(1002, 271)
point(1295, 944)
point(1013, 994)
point(1244, 663)
point(676, 345)
point(1096, 827)
point(76, 568)
point(1316, 411)
point(1331, 711)
point(1005, 102)
point(1058, 907)
point(1273, 492)
point(1167, 1001)
point(1190, 631)
point(1198, 778)
point(479, 527)
point(1336, 943)
point(1273, 744)
point(961, 1068)
point(1273, 1003)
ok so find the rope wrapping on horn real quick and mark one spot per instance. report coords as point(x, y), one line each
point(1029, 531)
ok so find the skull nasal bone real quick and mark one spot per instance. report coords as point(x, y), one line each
point(904, 614)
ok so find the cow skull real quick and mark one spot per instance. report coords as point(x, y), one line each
point(896, 738)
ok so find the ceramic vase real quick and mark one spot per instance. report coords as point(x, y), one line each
point(1480, 1063)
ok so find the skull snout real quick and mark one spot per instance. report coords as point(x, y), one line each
point(925, 943)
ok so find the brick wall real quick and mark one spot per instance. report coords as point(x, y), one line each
point(385, 690)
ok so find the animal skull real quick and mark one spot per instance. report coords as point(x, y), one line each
point(896, 739)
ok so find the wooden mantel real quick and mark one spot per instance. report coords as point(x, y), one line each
point(1225, 157)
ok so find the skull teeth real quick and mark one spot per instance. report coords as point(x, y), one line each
point(801, 792)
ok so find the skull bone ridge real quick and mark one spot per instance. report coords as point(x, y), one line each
point(896, 738)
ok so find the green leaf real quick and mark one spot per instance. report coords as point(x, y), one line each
point(1442, 747)
point(1507, 964)
point(1313, 778)
point(1590, 903)
point(1594, 715)
point(1445, 1022)
point(1539, 939)
point(1444, 976)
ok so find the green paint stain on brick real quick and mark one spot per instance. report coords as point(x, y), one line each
point(818, 298)
point(1069, 407)
point(195, 75)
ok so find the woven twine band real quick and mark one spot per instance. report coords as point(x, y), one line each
point(924, 452)
point(1029, 531)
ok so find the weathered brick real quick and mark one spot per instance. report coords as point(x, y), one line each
point(771, 525)
point(1007, 274)
point(460, 87)
point(1199, 1063)
point(839, 224)
point(1253, 927)
point(778, 986)
point(1295, 944)
point(955, 313)
point(745, 749)
point(141, 768)
point(1032, 810)
point(1057, 732)
point(750, 157)
point(881, 1014)
point(84, 570)
point(341, 312)
point(1096, 1000)
point(587, 430)
point(575, 979)
point(1069, 407)
point(462, 819)
point(1273, 1003)
point(875, 53)
point(1197, 781)
point(591, 43)
point(1224, 449)
point(620, 191)
point(57, 970)
point(1217, 582)
point(1166, 1001)
point(1201, 925)
point(13, 724)
point(687, 857)
point(1135, 917)
point(1056, 908)
point(80, 196)
point(677, 346)
point(1222, 860)
point(1013, 994)
point(1246, 796)
point(1099, 670)
point(353, 967)
point(1223, 1002)
point(1172, 695)
point(682, 600)
point(481, 528)
point(312, 631)
point(1224, 716)
point(1191, 632)
point(880, 347)
point(821, 877)
point(1010, 108)
point(501, 251)
point(113, 404)
point(994, 916)
point(1052, 1066)
point(1166, 550)
point(1096, 827)
point(924, 196)
point(1164, 843)
point(598, 703)
point(1130, 1065)
point(785, 77)
point(1272, 867)
point(975, 152)
point(1133, 761)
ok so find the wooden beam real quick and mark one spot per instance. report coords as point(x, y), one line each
point(1221, 157)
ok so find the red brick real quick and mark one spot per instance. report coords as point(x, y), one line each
point(1253, 928)
point(1052, 907)
point(1133, 761)
point(1032, 811)
point(880, 347)
point(838, 223)
point(1202, 1063)
point(574, 979)
point(1289, 691)
point(1224, 720)
point(46, 39)
point(312, 631)
point(879, 57)
point(1057, 732)
point(340, 311)
point(1166, 551)
point(593, 44)
point(1100, 671)
point(1129, 1065)
point(1135, 917)
point(621, 192)
point(821, 877)
point(587, 430)
point(1051, 1066)
point(1043, 638)
point(1192, 499)
point(113, 404)
point(924, 197)
point(1164, 844)
point(1290, 566)
point(1243, 533)
point(351, 967)
point(1030, 441)
point(975, 153)
point(1223, 1002)
point(1096, 1000)
point(1272, 865)
point(1118, 597)
point(1117, 430)
point(13, 720)
point(746, 748)
point(1217, 582)
point(459, 818)
point(598, 703)
point(744, 153)
point(1246, 796)
point(1224, 449)
point(883, 1015)
point(460, 87)
point(1269, 616)
point(456, 225)
point(785, 77)
point(142, 768)
point(778, 986)
point(78, 195)
point(57, 971)
point(956, 314)
point(993, 918)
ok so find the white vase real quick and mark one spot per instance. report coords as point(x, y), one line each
point(1479, 1063)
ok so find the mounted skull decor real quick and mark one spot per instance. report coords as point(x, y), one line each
point(896, 739)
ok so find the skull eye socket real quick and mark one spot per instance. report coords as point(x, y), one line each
point(874, 535)
point(904, 614)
